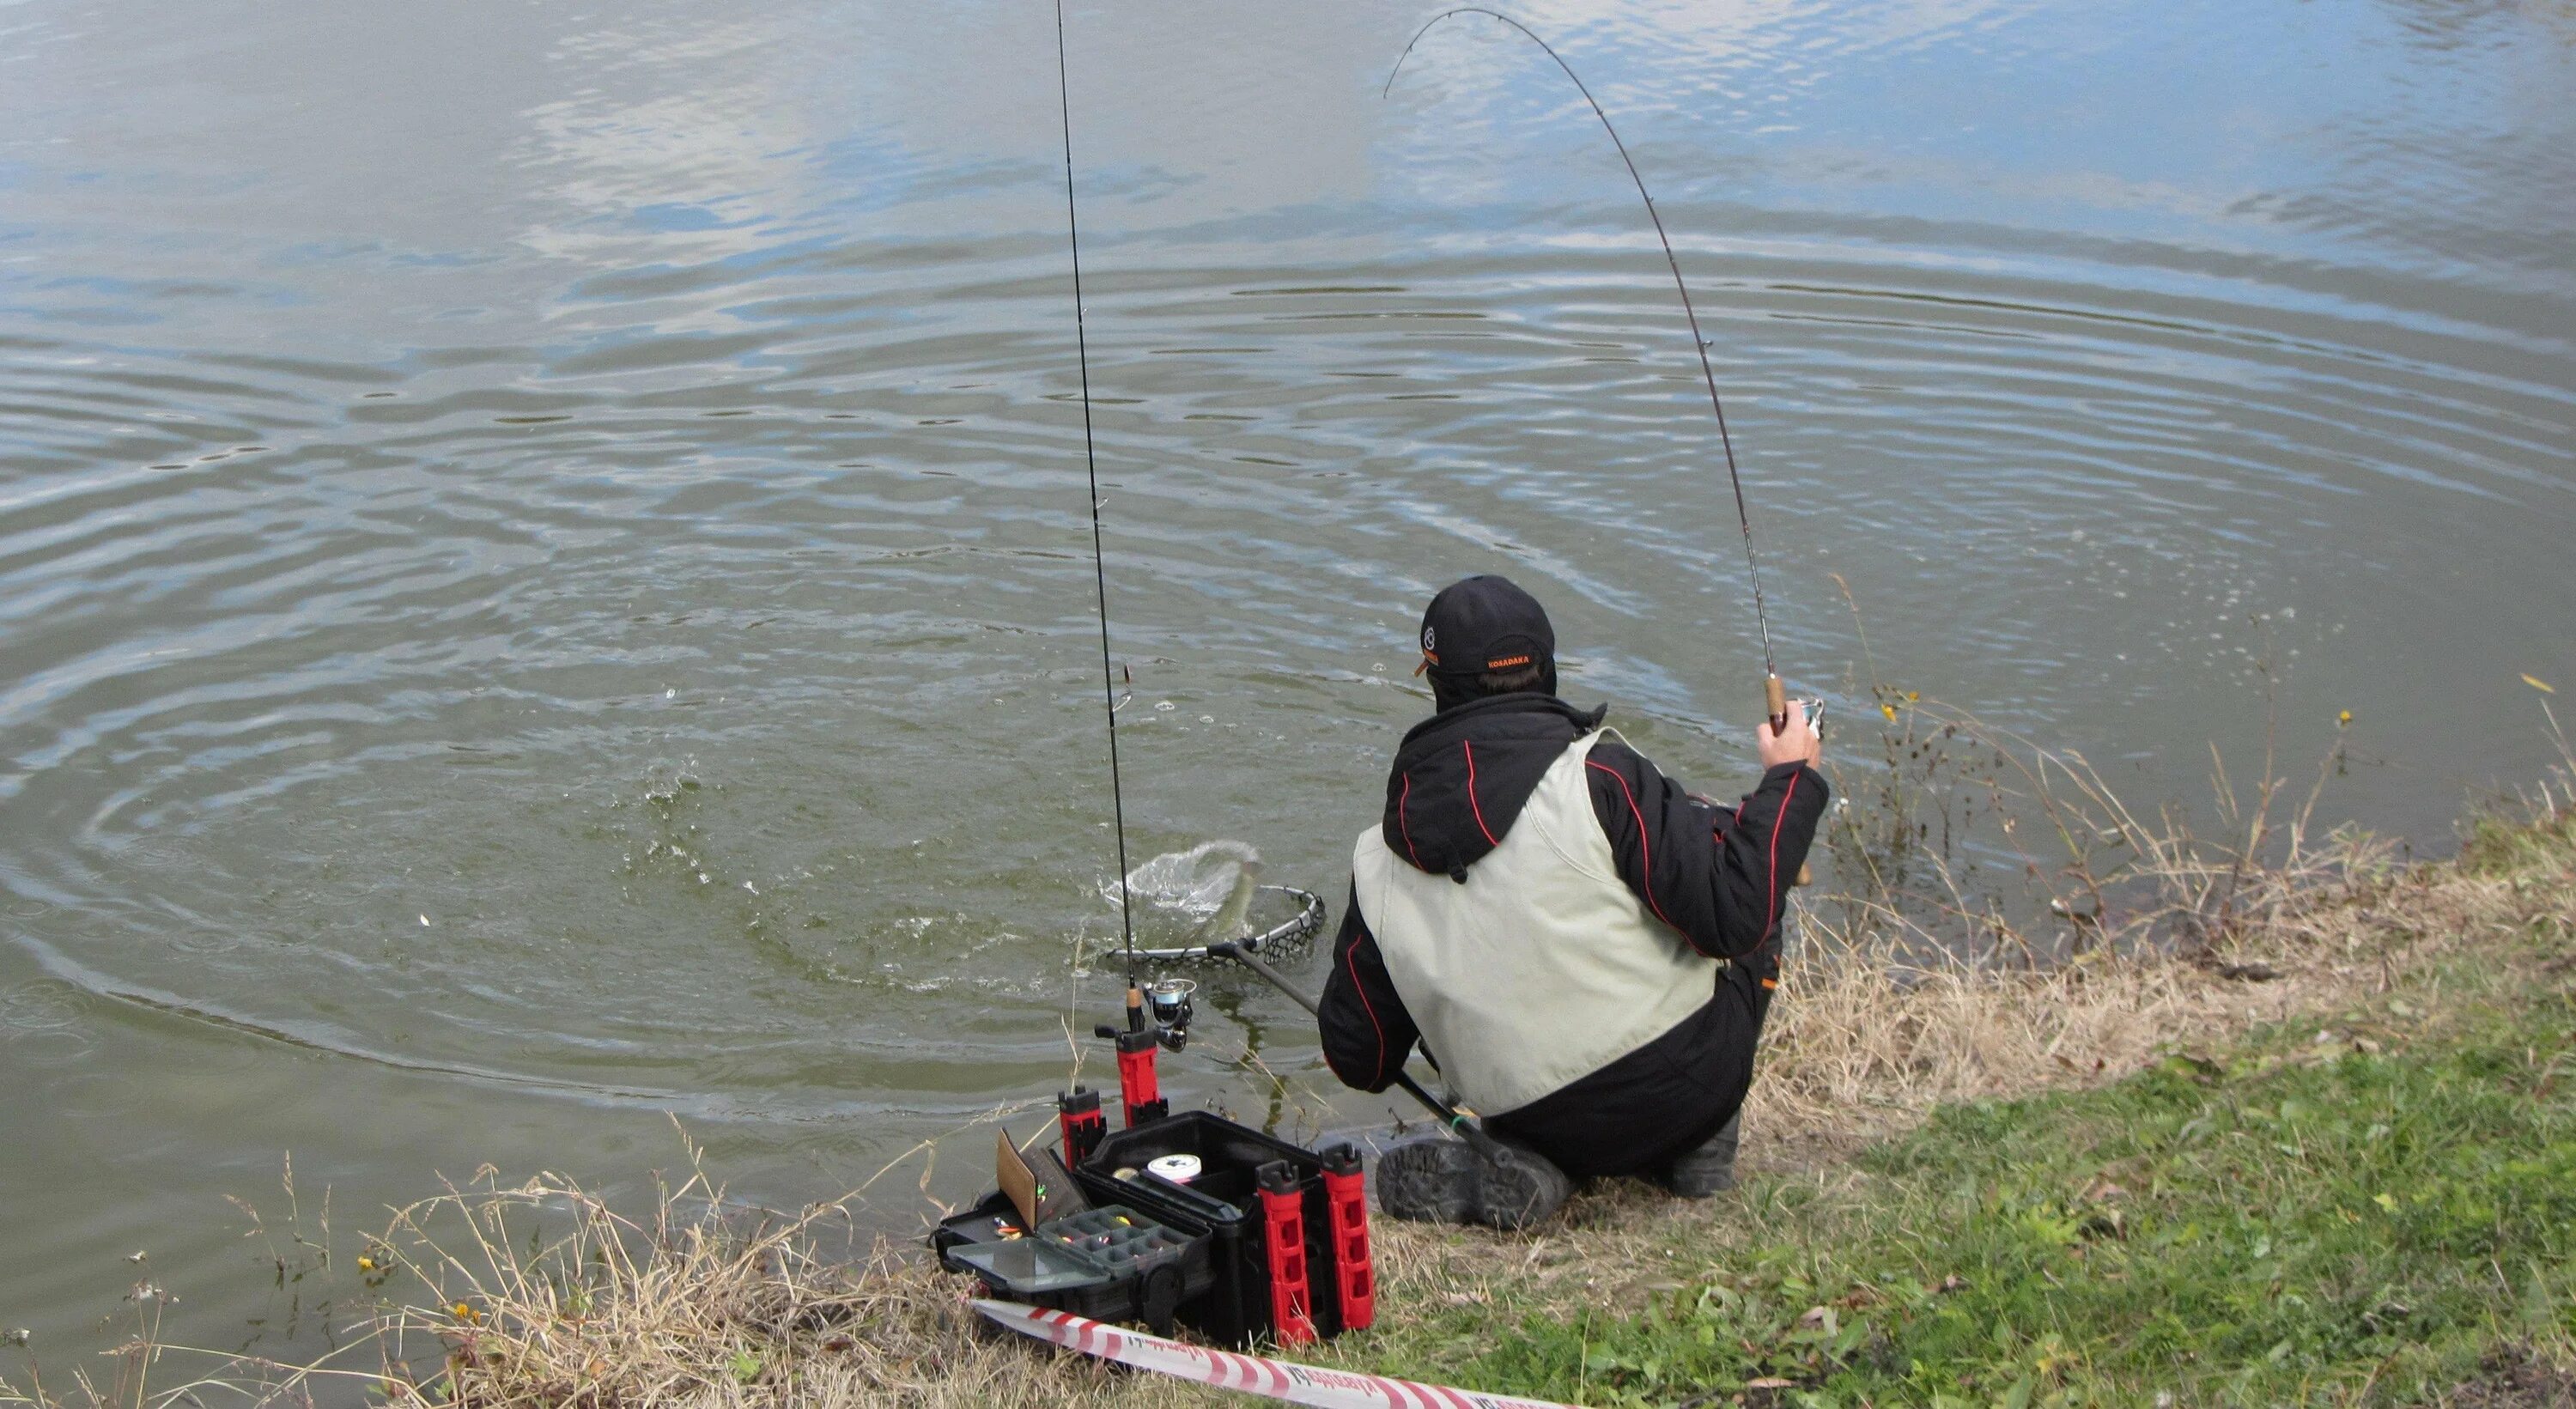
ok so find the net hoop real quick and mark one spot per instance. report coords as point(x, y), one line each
point(1289, 934)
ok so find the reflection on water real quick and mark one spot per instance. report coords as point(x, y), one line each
point(543, 572)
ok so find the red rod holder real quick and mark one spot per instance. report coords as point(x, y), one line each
point(1346, 1198)
point(1137, 1088)
point(1078, 1118)
point(1283, 1218)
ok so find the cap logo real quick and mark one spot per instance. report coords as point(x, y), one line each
point(1430, 642)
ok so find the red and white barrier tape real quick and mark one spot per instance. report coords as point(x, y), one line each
point(1251, 1374)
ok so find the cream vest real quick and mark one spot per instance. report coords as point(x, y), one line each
point(1543, 967)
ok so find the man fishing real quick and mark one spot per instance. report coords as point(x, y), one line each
point(1584, 949)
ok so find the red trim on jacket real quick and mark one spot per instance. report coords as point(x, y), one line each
point(1350, 961)
point(1472, 805)
point(1771, 902)
point(1645, 850)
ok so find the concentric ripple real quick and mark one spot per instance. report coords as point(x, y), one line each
point(546, 583)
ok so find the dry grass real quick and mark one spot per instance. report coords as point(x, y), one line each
point(1877, 1023)
point(541, 1294)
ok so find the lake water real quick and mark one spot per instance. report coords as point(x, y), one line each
point(544, 584)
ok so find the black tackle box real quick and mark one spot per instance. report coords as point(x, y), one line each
point(1225, 1295)
point(1225, 1201)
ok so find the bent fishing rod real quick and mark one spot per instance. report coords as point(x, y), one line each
point(1774, 694)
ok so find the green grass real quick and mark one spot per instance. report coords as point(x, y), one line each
point(2292, 1223)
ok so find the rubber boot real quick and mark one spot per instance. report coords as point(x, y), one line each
point(1443, 1179)
point(1710, 1169)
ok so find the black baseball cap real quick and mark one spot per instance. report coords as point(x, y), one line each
point(1485, 623)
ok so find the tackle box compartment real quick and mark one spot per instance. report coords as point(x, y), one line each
point(982, 1223)
point(1109, 1263)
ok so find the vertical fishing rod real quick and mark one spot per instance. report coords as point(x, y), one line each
point(1078, 1110)
point(1775, 696)
point(1091, 464)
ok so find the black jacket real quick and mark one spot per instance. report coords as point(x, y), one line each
point(1719, 876)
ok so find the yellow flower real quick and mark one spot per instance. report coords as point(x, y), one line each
point(467, 1314)
point(1890, 711)
point(2343, 720)
point(366, 1263)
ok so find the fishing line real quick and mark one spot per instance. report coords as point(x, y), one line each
point(1699, 344)
point(1091, 464)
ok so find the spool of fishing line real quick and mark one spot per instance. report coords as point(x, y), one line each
point(1180, 1169)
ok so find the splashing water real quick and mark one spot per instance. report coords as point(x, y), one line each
point(1208, 888)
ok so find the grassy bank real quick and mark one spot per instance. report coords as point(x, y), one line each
point(2370, 1201)
point(2327, 1154)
